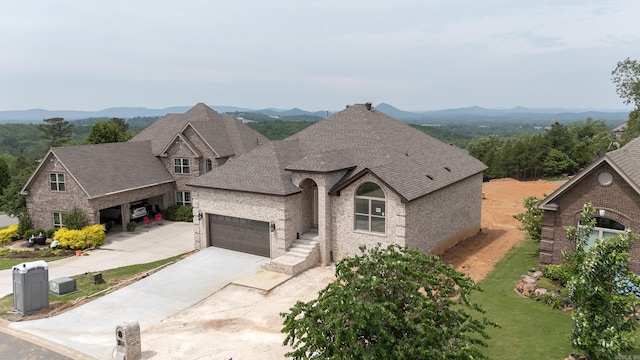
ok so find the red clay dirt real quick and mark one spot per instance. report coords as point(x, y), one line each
point(503, 198)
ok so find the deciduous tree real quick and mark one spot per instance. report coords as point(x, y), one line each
point(389, 303)
point(604, 314)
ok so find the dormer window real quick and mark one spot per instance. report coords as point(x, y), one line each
point(181, 166)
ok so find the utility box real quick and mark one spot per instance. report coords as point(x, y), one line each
point(30, 287)
point(62, 286)
point(128, 345)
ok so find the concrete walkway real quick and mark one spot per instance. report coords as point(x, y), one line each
point(145, 245)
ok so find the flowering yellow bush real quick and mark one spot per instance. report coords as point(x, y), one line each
point(89, 236)
point(9, 234)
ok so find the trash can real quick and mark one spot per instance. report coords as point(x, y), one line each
point(30, 287)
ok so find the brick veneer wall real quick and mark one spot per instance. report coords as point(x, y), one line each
point(437, 221)
point(260, 207)
point(346, 240)
point(619, 201)
point(42, 202)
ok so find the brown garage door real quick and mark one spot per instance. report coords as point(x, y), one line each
point(238, 234)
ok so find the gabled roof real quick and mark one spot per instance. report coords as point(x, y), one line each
point(224, 134)
point(358, 139)
point(625, 161)
point(105, 169)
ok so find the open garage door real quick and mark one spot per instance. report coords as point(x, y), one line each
point(238, 234)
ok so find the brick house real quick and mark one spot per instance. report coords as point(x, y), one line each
point(151, 170)
point(359, 177)
point(612, 185)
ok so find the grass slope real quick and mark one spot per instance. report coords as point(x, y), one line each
point(529, 330)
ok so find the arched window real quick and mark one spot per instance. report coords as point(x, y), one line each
point(605, 228)
point(208, 165)
point(370, 208)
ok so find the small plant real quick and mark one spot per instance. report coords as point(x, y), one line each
point(27, 234)
point(24, 224)
point(74, 219)
point(531, 219)
point(552, 300)
point(50, 233)
point(178, 213)
point(9, 234)
point(131, 226)
point(559, 272)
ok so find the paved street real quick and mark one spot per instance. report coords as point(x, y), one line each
point(6, 220)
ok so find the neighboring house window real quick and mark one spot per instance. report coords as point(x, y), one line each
point(57, 182)
point(57, 220)
point(370, 208)
point(605, 228)
point(181, 166)
point(183, 198)
point(208, 165)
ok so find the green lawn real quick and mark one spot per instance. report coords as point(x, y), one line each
point(529, 330)
point(85, 288)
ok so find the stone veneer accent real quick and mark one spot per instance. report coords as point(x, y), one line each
point(619, 201)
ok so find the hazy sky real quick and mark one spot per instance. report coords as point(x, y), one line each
point(315, 55)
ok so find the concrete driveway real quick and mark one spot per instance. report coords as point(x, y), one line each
point(90, 329)
point(6, 220)
point(145, 245)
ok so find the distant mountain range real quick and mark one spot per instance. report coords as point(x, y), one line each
point(467, 113)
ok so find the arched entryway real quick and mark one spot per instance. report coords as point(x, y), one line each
point(309, 216)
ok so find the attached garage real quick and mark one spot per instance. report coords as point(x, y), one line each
point(244, 235)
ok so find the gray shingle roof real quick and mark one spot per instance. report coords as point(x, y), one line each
point(626, 161)
point(226, 135)
point(110, 168)
point(411, 162)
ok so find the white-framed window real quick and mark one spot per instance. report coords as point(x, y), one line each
point(183, 198)
point(181, 166)
point(208, 165)
point(56, 181)
point(605, 228)
point(370, 208)
point(57, 220)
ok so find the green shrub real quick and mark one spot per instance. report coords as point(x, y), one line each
point(178, 213)
point(554, 301)
point(40, 231)
point(132, 225)
point(74, 219)
point(27, 234)
point(50, 233)
point(24, 224)
point(89, 236)
point(561, 272)
point(9, 234)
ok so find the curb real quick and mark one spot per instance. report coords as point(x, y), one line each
point(44, 343)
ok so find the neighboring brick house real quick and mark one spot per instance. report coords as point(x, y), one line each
point(612, 185)
point(150, 170)
point(359, 177)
